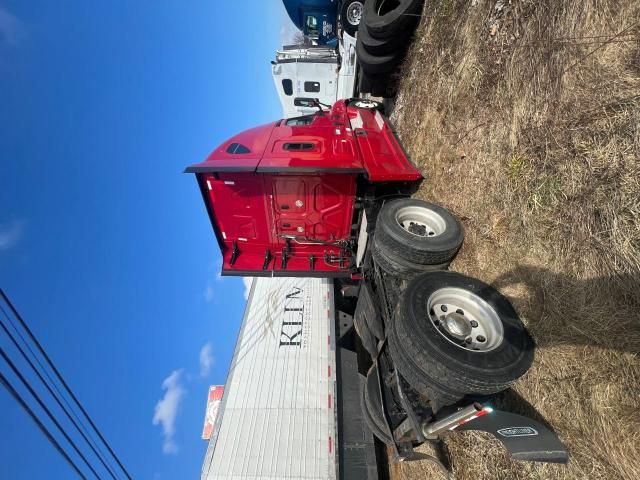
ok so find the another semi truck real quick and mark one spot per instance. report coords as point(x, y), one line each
point(327, 195)
point(318, 19)
point(302, 73)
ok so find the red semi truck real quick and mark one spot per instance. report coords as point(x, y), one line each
point(328, 195)
point(289, 198)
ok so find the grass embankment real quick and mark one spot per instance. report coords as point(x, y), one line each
point(526, 123)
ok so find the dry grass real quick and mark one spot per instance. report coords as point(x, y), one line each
point(534, 142)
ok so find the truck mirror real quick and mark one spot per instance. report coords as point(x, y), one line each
point(306, 102)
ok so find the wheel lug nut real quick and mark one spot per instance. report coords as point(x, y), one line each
point(473, 323)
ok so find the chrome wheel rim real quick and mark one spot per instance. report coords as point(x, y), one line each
point(465, 319)
point(354, 13)
point(421, 221)
point(365, 104)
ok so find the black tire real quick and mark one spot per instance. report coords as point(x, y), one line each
point(392, 263)
point(374, 65)
point(369, 420)
point(391, 45)
point(385, 24)
point(376, 85)
point(347, 5)
point(382, 88)
point(433, 242)
point(365, 85)
point(373, 407)
point(366, 337)
point(434, 365)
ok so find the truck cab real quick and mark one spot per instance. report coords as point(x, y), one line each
point(286, 198)
point(316, 72)
point(317, 19)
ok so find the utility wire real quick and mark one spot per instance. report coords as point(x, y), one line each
point(82, 431)
point(47, 375)
point(62, 381)
point(40, 425)
point(47, 411)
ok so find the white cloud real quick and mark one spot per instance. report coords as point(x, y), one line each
point(167, 409)
point(11, 29)
point(206, 359)
point(248, 281)
point(10, 234)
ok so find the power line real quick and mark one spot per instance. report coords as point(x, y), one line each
point(40, 425)
point(45, 372)
point(62, 381)
point(82, 430)
point(47, 411)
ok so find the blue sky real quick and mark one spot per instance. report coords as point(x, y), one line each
point(105, 246)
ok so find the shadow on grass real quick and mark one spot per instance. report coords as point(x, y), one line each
point(563, 310)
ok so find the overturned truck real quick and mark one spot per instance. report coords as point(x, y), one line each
point(329, 195)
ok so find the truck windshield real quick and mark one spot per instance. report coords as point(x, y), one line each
point(312, 25)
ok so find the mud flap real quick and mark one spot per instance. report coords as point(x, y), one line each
point(524, 438)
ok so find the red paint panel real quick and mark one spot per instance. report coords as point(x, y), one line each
point(239, 208)
point(334, 146)
point(257, 212)
point(254, 139)
point(314, 207)
point(382, 155)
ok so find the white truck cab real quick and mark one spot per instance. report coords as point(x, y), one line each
point(316, 72)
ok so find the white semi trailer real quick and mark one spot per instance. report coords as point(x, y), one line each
point(279, 416)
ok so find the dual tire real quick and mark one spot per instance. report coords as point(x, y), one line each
point(454, 335)
point(413, 237)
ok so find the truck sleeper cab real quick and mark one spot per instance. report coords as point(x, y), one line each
point(288, 198)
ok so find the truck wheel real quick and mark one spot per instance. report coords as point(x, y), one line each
point(456, 335)
point(392, 263)
point(377, 64)
point(372, 409)
point(384, 21)
point(418, 231)
point(366, 104)
point(351, 15)
point(386, 46)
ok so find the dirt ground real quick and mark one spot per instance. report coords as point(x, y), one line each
point(525, 118)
